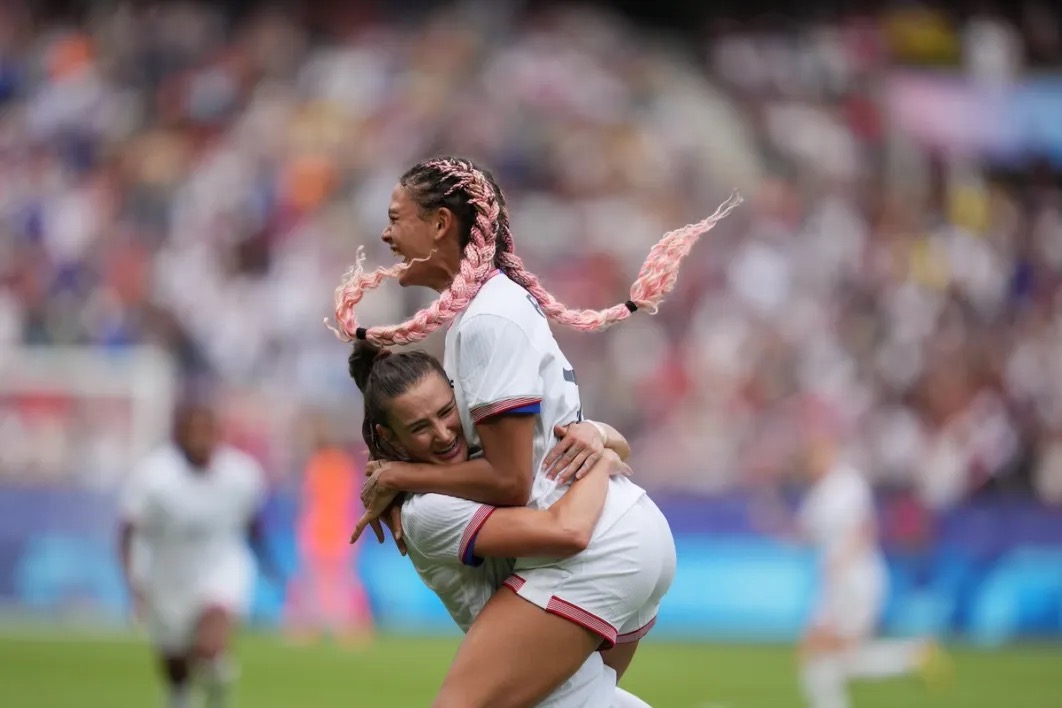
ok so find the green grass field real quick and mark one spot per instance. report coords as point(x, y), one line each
point(43, 670)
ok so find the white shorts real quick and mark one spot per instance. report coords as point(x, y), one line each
point(614, 587)
point(851, 604)
point(173, 613)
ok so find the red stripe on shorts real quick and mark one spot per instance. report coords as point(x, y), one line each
point(514, 582)
point(636, 634)
point(586, 620)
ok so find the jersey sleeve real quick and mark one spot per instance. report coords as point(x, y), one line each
point(498, 368)
point(443, 529)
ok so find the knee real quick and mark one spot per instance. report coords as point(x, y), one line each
point(208, 648)
point(212, 636)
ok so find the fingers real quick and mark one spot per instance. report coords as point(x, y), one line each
point(395, 519)
point(565, 468)
point(374, 466)
point(588, 464)
point(364, 521)
point(377, 529)
point(570, 464)
point(578, 466)
point(555, 456)
point(560, 430)
point(396, 529)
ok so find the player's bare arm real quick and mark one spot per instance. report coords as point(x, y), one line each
point(564, 529)
point(126, 533)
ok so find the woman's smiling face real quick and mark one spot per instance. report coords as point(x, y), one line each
point(424, 423)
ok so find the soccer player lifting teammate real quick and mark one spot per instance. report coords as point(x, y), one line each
point(463, 550)
point(513, 386)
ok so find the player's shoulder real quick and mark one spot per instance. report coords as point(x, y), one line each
point(234, 461)
point(499, 302)
point(435, 507)
point(159, 463)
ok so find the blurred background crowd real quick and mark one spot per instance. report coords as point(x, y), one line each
point(197, 177)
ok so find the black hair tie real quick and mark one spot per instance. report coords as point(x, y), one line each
point(631, 306)
point(360, 332)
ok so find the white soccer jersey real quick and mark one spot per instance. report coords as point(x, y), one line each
point(192, 525)
point(440, 532)
point(501, 357)
point(839, 505)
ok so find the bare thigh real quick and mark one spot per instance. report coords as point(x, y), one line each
point(619, 657)
point(514, 655)
point(213, 632)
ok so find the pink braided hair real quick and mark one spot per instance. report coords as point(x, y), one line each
point(476, 264)
point(655, 280)
point(490, 244)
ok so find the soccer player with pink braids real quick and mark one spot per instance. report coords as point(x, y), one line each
point(514, 389)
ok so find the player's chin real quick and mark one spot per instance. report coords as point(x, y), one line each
point(413, 275)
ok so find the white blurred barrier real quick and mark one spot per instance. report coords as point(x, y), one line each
point(81, 415)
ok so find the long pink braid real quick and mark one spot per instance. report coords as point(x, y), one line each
point(477, 263)
point(656, 279)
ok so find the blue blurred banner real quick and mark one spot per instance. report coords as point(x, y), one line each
point(989, 571)
point(1003, 122)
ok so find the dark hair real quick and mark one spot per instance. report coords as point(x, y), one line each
point(433, 185)
point(383, 375)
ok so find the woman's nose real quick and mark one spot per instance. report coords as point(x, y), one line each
point(443, 434)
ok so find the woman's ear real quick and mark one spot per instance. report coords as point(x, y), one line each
point(443, 221)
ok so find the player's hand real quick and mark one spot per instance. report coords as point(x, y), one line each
point(392, 519)
point(577, 452)
point(376, 496)
point(374, 466)
point(616, 466)
point(371, 468)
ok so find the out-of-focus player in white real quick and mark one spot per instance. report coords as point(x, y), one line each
point(187, 514)
point(838, 517)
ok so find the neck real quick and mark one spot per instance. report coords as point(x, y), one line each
point(446, 269)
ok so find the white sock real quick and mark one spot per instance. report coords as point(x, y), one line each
point(217, 674)
point(625, 699)
point(822, 679)
point(884, 658)
point(178, 697)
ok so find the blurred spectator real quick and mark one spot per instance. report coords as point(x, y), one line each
point(171, 177)
point(327, 597)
